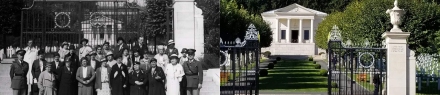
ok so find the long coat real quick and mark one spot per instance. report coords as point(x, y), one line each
point(193, 73)
point(68, 81)
point(156, 86)
point(56, 70)
point(134, 88)
point(46, 83)
point(118, 78)
point(85, 88)
point(98, 80)
point(18, 72)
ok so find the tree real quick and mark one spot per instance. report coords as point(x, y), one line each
point(153, 19)
point(367, 20)
point(9, 20)
point(235, 21)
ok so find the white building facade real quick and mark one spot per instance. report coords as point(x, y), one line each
point(294, 28)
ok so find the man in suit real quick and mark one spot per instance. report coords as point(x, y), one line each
point(37, 68)
point(193, 74)
point(171, 49)
point(140, 46)
point(117, 50)
point(18, 72)
point(137, 56)
point(56, 67)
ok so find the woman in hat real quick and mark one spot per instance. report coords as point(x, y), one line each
point(171, 49)
point(106, 47)
point(137, 80)
point(155, 78)
point(46, 83)
point(63, 51)
point(85, 49)
point(173, 73)
point(67, 79)
point(184, 57)
point(110, 60)
point(118, 48)
point(145, 61)
point(102, 81)
point(18, 72)
point(85, 76)
point(161, 58)
point(118, 78)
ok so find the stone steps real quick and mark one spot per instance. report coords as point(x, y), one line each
point(5, 80)
point(7, 61)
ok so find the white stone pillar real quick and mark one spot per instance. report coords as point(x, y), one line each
point(398, 70)
point(288, 33)
point(276, 33)
point(187, 22)
point(311, 32)
point(300, 32)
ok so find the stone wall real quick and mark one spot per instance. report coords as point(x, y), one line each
point(291, 49)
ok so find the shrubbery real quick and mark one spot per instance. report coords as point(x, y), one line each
point(317, 66)
point(278, 58)
point(323, 72)
point(310, 58)
point(334, 85)
point(263, 72)
point(270, 66)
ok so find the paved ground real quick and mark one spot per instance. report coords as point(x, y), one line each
point(291, 93)
point(209, 86)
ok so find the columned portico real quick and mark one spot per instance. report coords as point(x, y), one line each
point(293, 29)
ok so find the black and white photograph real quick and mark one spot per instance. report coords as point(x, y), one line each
point(110, 47)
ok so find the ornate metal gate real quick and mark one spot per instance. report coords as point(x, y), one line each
point(355, 69)
point(239, 64)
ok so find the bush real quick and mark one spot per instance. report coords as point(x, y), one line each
point(278, 58)
point(270, 66)
point(263, 72)
point(323, 72)
point(310, 58)
point(314, 62)
point(334, 85)
point(321, 53)
point(267, 53)
point(317, 66)
point(275, 62)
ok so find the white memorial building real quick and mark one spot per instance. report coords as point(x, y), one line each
point(293, 29)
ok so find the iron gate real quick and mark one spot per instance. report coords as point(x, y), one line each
point(358, 69)
point(240, 62)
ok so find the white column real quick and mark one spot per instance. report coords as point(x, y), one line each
point(301, 35)
point(398, 67)
point(311, 32)
point(288, 34)
point(277, 31)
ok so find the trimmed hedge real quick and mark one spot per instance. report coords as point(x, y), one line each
point(270, 66)
point(263, 72)
point(317, 66)
point(314, 62)
point(334, 85)
point(278, 58)
point(310, 58)
point(323, 72)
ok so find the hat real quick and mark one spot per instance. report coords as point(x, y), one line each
point(21, 52)
point(71, 47)
point(184, 50)
point(56, 54)
point(48, 65)
point(105, 42)
point(136, 63)
point(120, 38)
point(65, 43)
point(174, 56)
point(170, 42)
point(191, 51)
point(41, 51)
point(87, 41)
point(92, 53)
point(153, 59)
point(109, 54)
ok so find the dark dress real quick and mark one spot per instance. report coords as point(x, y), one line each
point(134, 88)
point(117, 82)
point(56, 71)
point(156, 86)
point(68, 82)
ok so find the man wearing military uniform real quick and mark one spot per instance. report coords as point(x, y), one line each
point(193, 74)
point(18, 72)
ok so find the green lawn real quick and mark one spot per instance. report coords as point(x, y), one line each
point(294, 75)
point(230, 77)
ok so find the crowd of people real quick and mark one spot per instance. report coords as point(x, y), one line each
point(106, 70)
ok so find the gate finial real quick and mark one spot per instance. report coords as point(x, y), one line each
point(251, 33)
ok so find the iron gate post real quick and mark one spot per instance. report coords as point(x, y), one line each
point(329, 69)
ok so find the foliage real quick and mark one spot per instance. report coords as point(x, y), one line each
point(235, 21)
point(334, 85)
point(209, 61)
point(211, 18)
point(11, 15)
point(278, 58)
point(267, 53)
point(323, 72)
point(320, 53)
point(317, 66)
point(367, 20)
point(263, 73)
point(154, 17)
point(310, 58)
point(270, 66)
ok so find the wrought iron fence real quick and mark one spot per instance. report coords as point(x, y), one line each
point(49, 23)
point(427, 74)
point(240, 64)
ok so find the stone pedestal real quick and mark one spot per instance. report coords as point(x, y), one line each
point(400, 77)
point(188, 26)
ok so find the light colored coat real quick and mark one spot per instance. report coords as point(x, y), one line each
point(46, 83)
